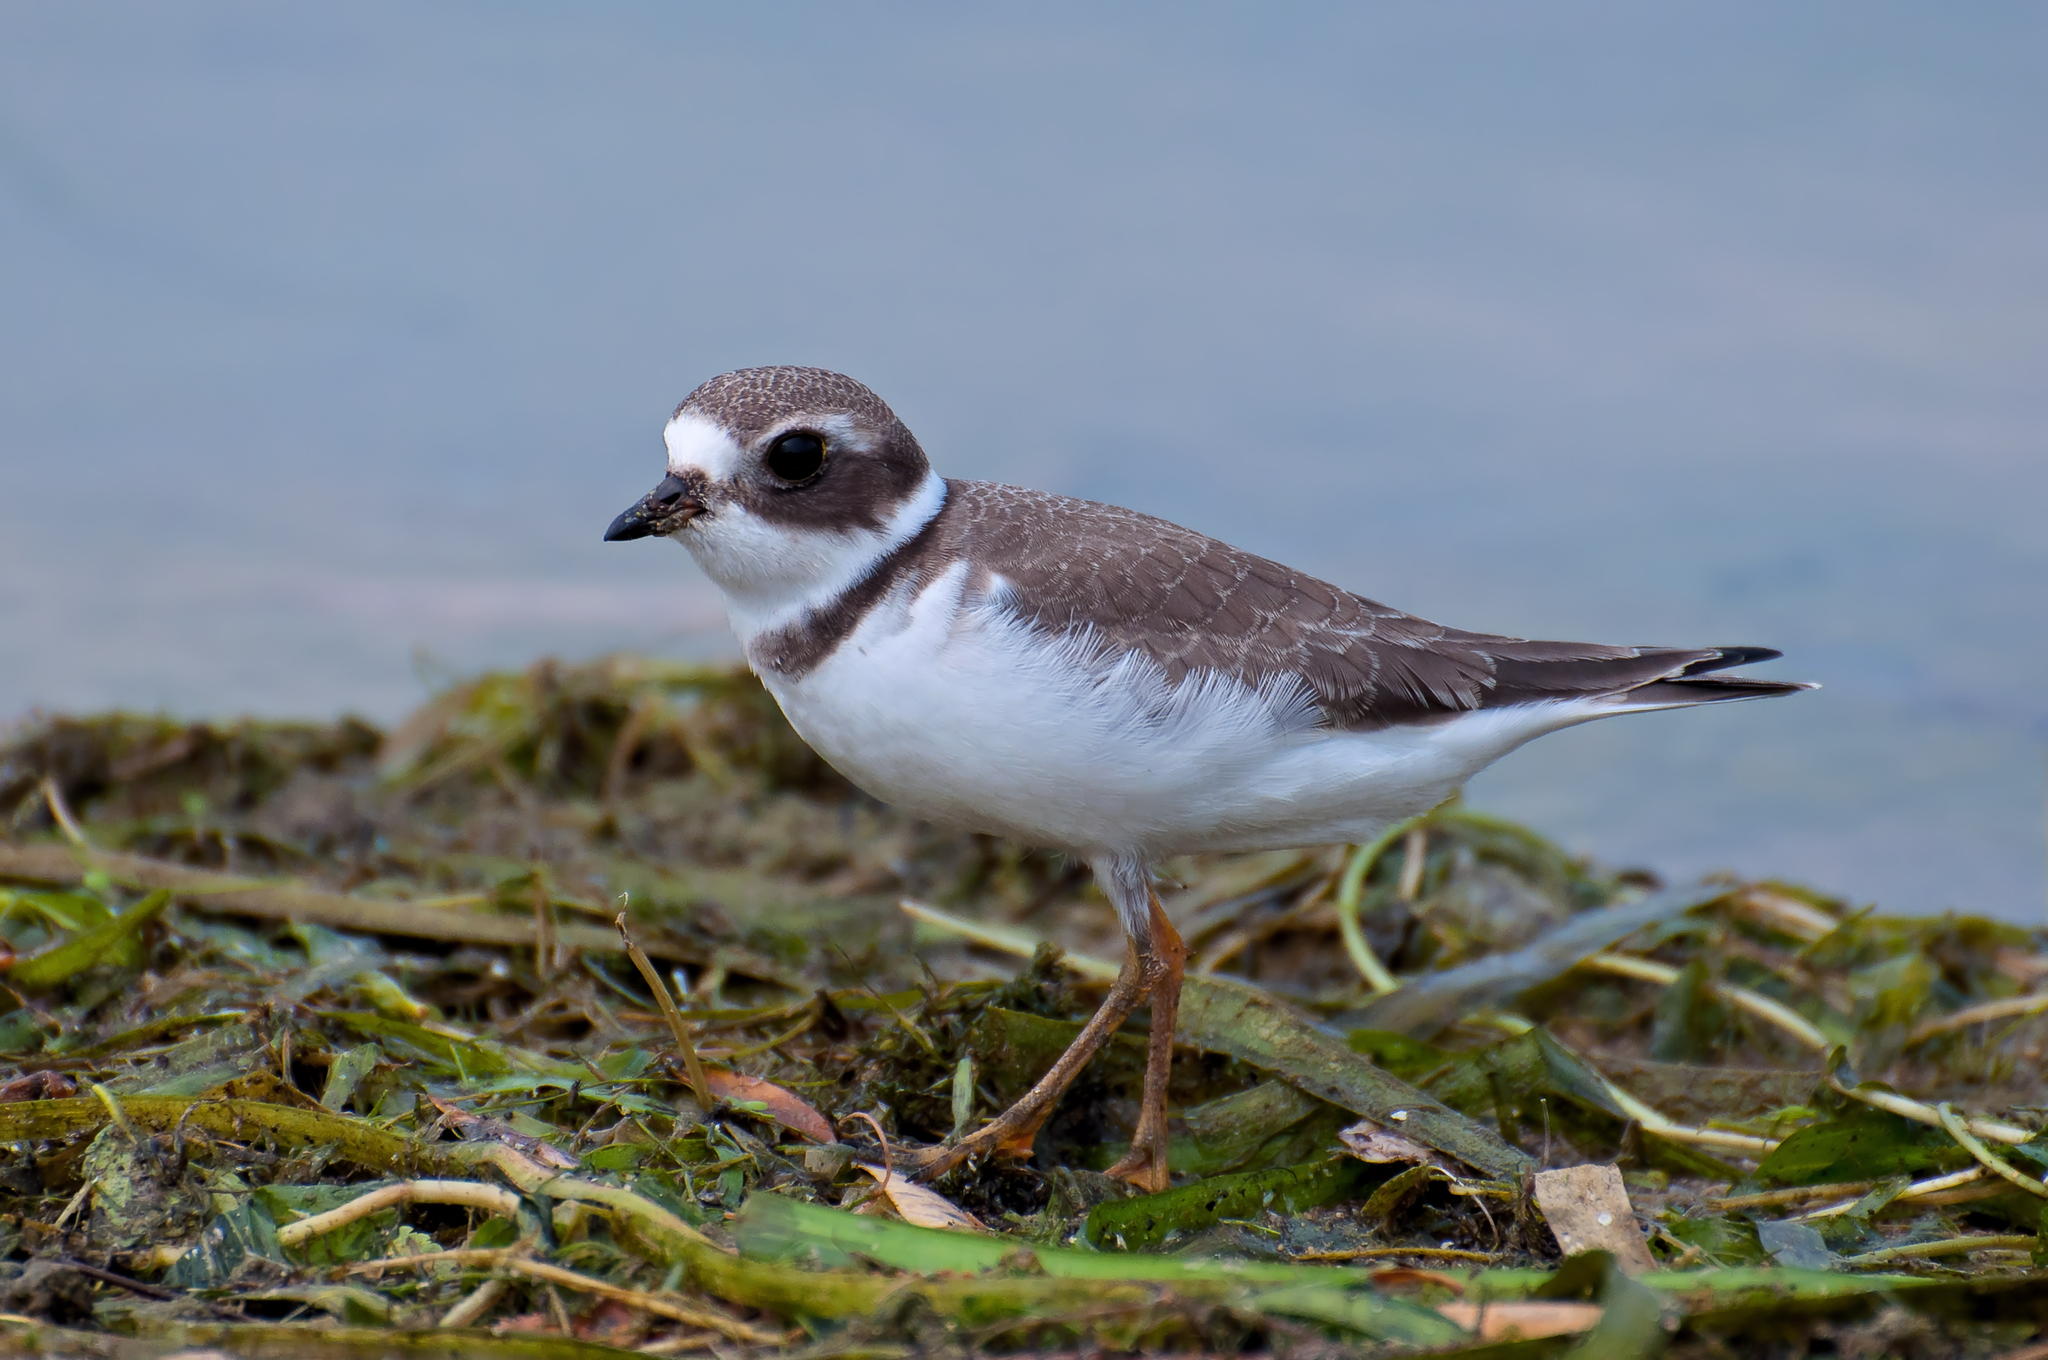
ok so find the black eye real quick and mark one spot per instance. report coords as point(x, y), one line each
point(797, 456)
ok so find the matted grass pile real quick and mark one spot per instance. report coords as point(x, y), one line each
point(319, 1040)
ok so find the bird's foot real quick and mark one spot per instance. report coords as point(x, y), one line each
point(995, 1139)
point(1143, 1167)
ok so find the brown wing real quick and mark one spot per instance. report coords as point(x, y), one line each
point(1193, 603)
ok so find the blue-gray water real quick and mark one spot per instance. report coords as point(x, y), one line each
point(333, 335)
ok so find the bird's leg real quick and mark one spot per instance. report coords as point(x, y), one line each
point(1012, 1131)
point(1164, 964)
point(1153, 966)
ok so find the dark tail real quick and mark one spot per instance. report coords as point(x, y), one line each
point(1696, 684)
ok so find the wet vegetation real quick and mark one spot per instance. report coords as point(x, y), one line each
point(586, 1013)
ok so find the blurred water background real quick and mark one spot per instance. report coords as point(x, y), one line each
point(334, 335)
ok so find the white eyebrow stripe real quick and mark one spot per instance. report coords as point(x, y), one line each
point(840, 429)
point(697, 442)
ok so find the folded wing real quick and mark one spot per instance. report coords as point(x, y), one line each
point(1193, 603)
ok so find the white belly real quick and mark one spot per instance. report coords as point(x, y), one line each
point(966, 716)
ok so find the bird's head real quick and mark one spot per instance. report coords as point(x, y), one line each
point(781, 480)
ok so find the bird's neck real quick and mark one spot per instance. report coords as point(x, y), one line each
point(773, 576)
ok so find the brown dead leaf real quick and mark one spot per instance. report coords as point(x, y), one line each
point(1410, 1277)
point(522, 1323)
point(783, 1106)
point(611, 1322)
point(1524, 1319)
point(919, 1204)
point(1370, 1141)
point(38, 1086)
point(1587, 1208)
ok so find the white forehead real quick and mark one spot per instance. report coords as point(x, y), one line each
point(695, 441)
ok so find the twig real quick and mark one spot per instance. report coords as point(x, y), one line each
point(60, 812)
point(679, 1342)
point(1414, 858)
point(1920, 1112)
point(1788, 913)
point(506, 1259)
point(73, 1205)
point(1792, 1194)
point(1004, 939)
point(1918, 1190)
point(1946, 1246)
point(1986, 1158)
point(1375, 1253)
point(693, 1066)
point(119, 1281)
point(1775, 1013)
point(2009, 1007)
point(1656, 1122)
point(470, 1194)
point(475, 1303)
point(1222, 946)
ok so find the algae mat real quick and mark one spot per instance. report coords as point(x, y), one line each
point(321, 1040)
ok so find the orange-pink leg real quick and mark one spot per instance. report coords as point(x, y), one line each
point(1011, 1132)
point(1153, 969)
point(1145, 1164)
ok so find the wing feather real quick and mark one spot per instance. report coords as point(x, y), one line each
point(1192, 603)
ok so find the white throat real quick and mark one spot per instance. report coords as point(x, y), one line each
point(773, 574)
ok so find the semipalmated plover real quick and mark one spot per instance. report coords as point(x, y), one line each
point(1090, 679)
